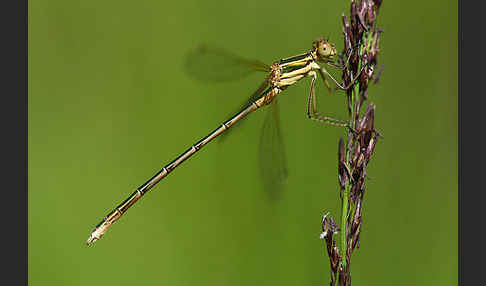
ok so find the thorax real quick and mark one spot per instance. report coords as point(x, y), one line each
point(290, 70)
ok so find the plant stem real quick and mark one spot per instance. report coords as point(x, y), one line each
point(345, 196)
point(344, 219)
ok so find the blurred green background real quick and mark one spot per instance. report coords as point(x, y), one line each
point(110, 104)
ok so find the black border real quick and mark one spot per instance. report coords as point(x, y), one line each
point(13, 210)
point(471, 170)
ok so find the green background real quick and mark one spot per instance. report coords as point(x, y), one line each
point(110, 104)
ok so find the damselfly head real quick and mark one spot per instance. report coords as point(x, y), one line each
point(323, 48)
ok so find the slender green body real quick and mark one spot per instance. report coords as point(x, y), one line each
point(114, 215)
point(281, 75)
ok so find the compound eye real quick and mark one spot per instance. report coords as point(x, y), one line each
point(323, 50)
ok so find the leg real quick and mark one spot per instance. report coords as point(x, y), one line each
point(323, 71)
point(341, 67)
point(329, 88)
point(313, 114)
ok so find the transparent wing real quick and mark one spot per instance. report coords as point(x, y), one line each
point(273, 162)
point(215, 64)
point(256, 95)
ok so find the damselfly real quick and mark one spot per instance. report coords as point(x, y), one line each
point(281, 75)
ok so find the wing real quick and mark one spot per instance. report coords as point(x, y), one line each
point(256, 95)
point(273, 162)
point(212, 64)
point(207, 63)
